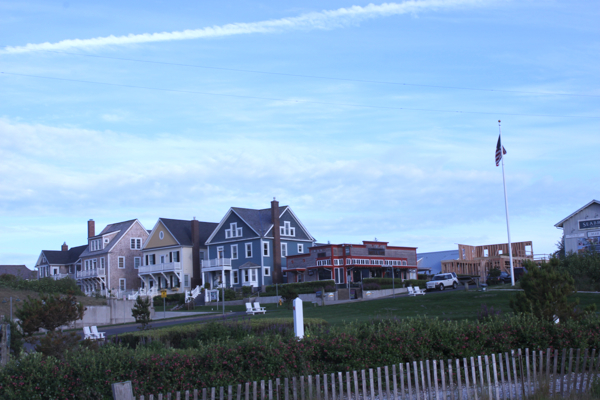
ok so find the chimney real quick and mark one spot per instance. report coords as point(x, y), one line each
point(277, 273)
point(64, 247)
point(196, 270)
point(91, 228)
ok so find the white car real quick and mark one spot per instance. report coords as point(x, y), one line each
point(443, 281)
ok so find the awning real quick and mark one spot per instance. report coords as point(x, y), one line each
point(296, 270)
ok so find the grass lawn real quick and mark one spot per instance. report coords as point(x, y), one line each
point(454, 305)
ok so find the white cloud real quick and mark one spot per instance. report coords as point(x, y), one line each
point(327, 19)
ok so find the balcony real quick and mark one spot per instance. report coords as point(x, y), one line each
point(161, 267)
point(91, 273)
point(61, 276)
point(216, 264)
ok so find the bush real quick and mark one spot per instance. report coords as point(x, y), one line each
point(301, 287)
point(246, 291)
point(175, 298)
point(330, 288)
point(288, 294)
point(384, 283)
point(371, 286)
point(43, 285)
point(230, 294)
point(141, 312)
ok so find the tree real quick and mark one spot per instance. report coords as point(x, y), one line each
point(495, 272)
point(545, 293)
point(50, 312)
point(141, 312)
point(288, 294)
point(560, 245)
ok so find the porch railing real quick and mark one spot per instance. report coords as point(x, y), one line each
point(91, 273)
point(161, 267)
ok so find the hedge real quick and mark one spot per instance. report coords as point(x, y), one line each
point(88, 373)
point(303, 287)
point(43, 285)
point(188, 336)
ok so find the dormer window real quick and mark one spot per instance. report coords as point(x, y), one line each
point(287, 229)
point(96, 245)
point(233, 231)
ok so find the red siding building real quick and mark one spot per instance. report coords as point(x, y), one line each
point(349, 263)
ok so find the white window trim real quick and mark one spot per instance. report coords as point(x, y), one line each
point(139, 259)
point(135, 243)
point(186, 280)
point(234, 231)
point(236, 278)
point(119, 262)
point(124, 280)
point(287, 229)
point(284, 250)
point(221, 249)
point(234, 251)
point(300, 248)
point(248, 246)
point(267, 271)
point(266, 250)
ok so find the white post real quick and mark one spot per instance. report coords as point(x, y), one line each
point(298, 318)
point(512, 270)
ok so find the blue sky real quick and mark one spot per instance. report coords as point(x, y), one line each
point(371, 120)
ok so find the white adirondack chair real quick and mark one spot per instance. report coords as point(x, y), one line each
point(258, 309)
point(419, 291)
point(87, 334)
point(99, 335)
point(411, 291)
point(249, 309)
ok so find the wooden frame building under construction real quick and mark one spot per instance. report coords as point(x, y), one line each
point(479, 260)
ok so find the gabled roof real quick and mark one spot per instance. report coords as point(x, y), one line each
point(18, 270)
point(560, 224)
point(258, 220)
point(59, 257)
point(182, 230)
point(121, 228)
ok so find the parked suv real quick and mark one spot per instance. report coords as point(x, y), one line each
point(442, 281)
point(504, 277)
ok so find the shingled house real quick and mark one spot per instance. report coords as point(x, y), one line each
point(20, 271)
point(59, 264)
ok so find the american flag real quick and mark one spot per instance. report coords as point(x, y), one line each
point(498, 152)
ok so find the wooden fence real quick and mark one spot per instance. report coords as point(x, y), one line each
point(496, 376)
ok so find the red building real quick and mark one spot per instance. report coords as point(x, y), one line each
point(348, 263)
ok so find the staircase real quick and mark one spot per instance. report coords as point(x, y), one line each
point(191, 296)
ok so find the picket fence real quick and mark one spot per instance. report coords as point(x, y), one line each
point(497, 376)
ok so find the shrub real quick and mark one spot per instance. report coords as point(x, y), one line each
point(43, 285)
point(301, 287)
point(246, 291)
point(330, 288)
point(141, 312)
point(230, 294)
point(288, 294)
point(415, 282)
point(371, 286)
point(175, 298)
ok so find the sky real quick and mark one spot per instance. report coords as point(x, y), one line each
point(371, 120)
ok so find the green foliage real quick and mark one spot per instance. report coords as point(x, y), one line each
point(154, 368)
point(185, 336)
point(16, 342)
point(174, 298)
point(57, 344)
point(43, 285)
point(246, 291)
point(495, 272)
point(230, 294)
point(545, 293)
point(384, 283)
point(141, 312)
point(584, 268)
point(48, 312)
point(301, 287)
point(288, 293)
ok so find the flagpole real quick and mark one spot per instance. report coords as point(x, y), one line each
point(512, 270)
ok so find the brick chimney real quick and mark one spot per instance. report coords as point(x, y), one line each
point(64, 247)
point(277, 273)
point(197, 276)
point(91, 228)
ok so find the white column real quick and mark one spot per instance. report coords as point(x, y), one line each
point(298, 318)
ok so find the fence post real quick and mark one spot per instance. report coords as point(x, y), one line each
point(4, 344)
point(122, 391)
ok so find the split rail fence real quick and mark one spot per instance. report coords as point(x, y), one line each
point(496, 376)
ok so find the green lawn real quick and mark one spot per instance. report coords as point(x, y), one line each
point(453, 305)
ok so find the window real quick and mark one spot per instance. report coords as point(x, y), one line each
point(136, 262)
point(175, 256)
point(220, 252)
point(121, 262)
point(87, 264)
point(102, 266)
point(246, 275)
point(95, 244)
point(266, 249)
point(287, 229)
point(161, 235)
point(248, 250)
point(339, 275)
point(348, 261)
point(233, 231)
point(267, 271)
point(234, 253)
point(147, 263)
point(253, 272)
point(376, 252)
point(122, 284)
point(300, 248)
point(135, 244)
point(338, 261)
point(236, 280)
point(186, 280)
point(162, 259)
point(94, 262)
point(283, 249)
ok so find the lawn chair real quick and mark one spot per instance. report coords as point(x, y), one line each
point(87, 334)
point(411, 291)
point(258, 309)
point(99, 335)
point(249, 309)
point(419, 291)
